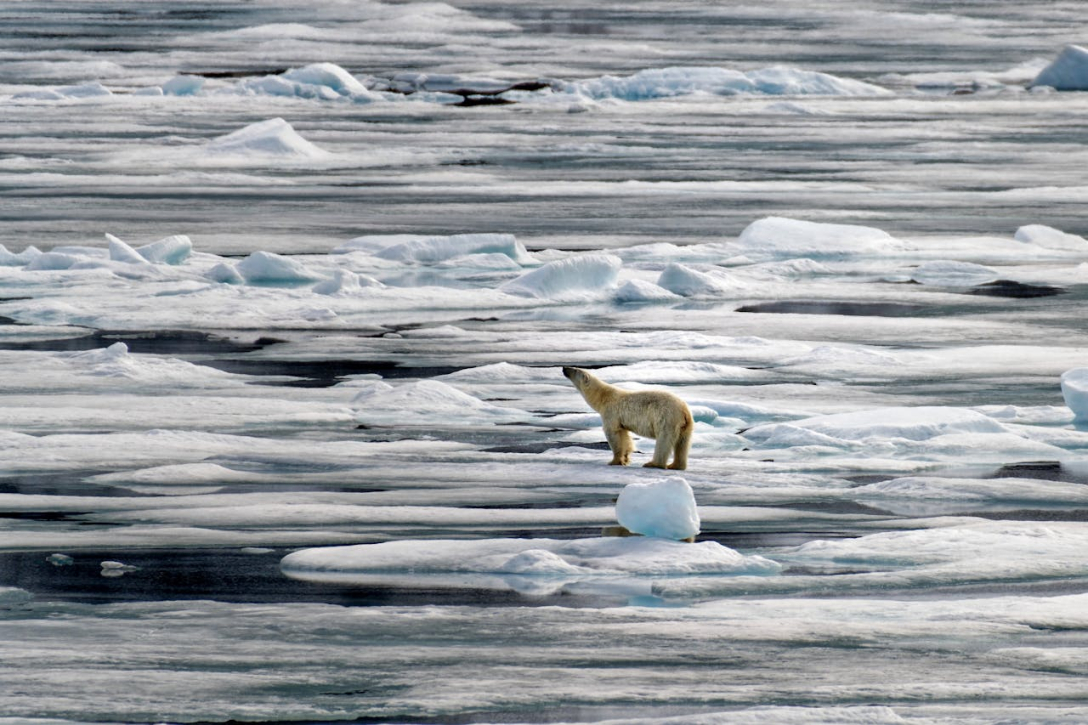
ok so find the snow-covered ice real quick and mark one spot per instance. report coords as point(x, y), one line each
point(286, 291)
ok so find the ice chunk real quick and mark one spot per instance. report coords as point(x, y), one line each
point(432, 250)
point(13, 259)
point(115, 569)
point(1068, 72)
point(270, 268)
point(1075, 391)
point(430, 402)
point(952, 274)
point(183, 85)
point(320, 81)
point(224, 273)
point(169, 250)
point(682, 81)
point(1050, 238)
point(575, 277)
point(689, 282)
point(329, 75)
point(121, 252)
point(664, 508)
point(53, 261)
point(272, 138)
point(345, 282)
point(778, 237)
point(60, 560)
point(636, 290)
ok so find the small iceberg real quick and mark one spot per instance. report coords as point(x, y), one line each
point(273, 269)
point(1075, 392)
point(274, 138)
point(1068, 72)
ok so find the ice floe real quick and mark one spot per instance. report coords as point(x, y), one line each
point(522, 563)
point(677, 81)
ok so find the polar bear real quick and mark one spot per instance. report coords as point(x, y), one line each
point(650, 413)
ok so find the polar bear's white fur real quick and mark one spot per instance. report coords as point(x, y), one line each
point(649, 413)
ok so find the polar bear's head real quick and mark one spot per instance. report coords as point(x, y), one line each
point(574, 374)
point(582, 379)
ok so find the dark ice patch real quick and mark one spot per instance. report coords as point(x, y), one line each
point(546, 446)
point(852, 309)
point(1015, 290)
point(162, 342)
point(323, 373)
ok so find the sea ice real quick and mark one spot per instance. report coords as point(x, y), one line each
point(274, 269)
point(430, 402)
point(657, 83)
point(122, 252)
point(635, 291)
point(781, 238)
point(686, 281)
point(345, 283)
point(944, 273)
point(665, 509)
point(1051, 238)
point(274, 138)
point(1068, 72)
point(577, 277)
point(12, 259)
point(608, 556)
point(64, 93)
point(1075, 391)
point(183, 85)
point(172, 250)
point(432, 250)
point(915, 424)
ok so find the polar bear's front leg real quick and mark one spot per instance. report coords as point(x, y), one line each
point(619, 440)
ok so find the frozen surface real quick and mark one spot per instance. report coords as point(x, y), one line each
point(286, 291)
